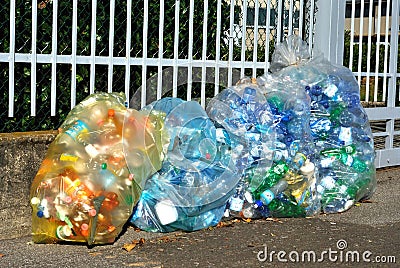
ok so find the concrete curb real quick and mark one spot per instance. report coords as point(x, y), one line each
point(20, 157)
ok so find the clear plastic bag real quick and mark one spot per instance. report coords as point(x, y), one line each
point(338, 123)
point(196, 178)
point(294, 151)
point(84, 191)
point(251, 120)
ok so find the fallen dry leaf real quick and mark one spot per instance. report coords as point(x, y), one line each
point(166, 239)
point(95, 253)
point(129, 246)
point(224, 224)
point(247, 220)
point(274, 220)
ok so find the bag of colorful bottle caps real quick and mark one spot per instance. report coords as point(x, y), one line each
point(339, 125)
point(84, 191)
point(197, 176)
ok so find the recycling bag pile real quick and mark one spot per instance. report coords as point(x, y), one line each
point(292, 143)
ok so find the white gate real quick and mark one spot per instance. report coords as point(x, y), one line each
point(364, 36)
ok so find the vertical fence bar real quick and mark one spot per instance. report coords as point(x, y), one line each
point(111, 46)
point(340, 26)
point(353, 13)
point(369, 50)
point(267, 34)
point(128, 48)
point(93, 34)
point(385, 59)
point(217, 48)
point(291, 11)
point(301, 17)
point(279, 28)
point(230, 55)
point(53, 94)
point(204, 56)
point(255, 45)
point(176, 51)
point(377, 56)
point(360, 42)
point(11, 61)
point(190, 52)
point(394, 50)
point(244, 35)
point(311, 30)
point(144, 63)
point(160, 50)
point(73, 56)
point(33, 57)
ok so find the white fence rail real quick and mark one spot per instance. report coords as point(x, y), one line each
point(239, 33)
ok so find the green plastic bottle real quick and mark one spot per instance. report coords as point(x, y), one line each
point(272, 176)
point(281, 209)
point(345, 155)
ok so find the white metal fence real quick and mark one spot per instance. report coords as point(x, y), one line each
point(118, 46)
point(364, 36)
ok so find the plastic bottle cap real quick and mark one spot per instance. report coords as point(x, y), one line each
point(66, 230)
point(68, 199)
point(111, 112)
point(104, 166)
point(166, 212)
point(92, 212)
point(35, 201)
point(43, 202)
point(267, 196)
point(84, 226)
point(307, 168)
point(91, 151)
point(39, 214)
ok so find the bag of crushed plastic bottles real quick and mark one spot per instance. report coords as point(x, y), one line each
point(294, 149)
point(339, 125)
point(84, 191)
point(197, 176)
point(252, 122)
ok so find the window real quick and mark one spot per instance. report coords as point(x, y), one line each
point(262, 17)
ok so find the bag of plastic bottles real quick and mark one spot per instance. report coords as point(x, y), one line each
point(197, 176)
point(255, 124)
point(294, 152)
point(338, 123)
point(84, 191)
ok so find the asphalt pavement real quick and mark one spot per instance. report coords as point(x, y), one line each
point(367, 235)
